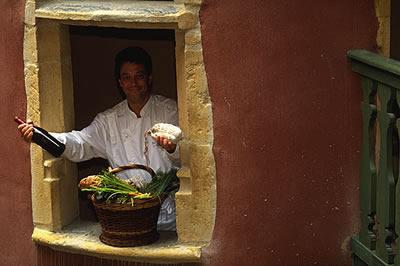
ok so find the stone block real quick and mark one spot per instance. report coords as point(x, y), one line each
point(187, 20)
point(30, 6)
point(193, 2)
point(382, 8)
point(32, 91)
point(195, 218)
point(30, 45)
point(200, 124)
point(193, 57)
point(199, 116)
point(383, 36)
point(51, 97)
point(42, 204)
point(48, 39)
point(193, 37)
point(202, 168)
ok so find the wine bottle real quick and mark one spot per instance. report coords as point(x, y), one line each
point(42, 138)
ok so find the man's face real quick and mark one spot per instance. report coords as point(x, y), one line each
point(135, 82)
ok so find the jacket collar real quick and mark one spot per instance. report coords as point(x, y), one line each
point(125, 110)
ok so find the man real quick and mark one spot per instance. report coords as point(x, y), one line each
point(118, 133)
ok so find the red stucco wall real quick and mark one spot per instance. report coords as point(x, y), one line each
point(15, 185)
point(287, 128)
point(287, 131)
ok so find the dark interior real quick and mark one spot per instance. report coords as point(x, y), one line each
point(92, 53)
point(395, 30)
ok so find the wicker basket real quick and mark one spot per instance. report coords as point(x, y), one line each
point(124, 225)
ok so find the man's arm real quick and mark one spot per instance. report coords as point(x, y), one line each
point(85, 144)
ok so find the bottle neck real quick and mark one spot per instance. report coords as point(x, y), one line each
point(19, 120)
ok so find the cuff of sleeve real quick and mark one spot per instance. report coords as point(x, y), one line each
point(174, 157)
point(61, 138)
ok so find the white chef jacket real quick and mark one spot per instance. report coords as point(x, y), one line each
point(119, 136)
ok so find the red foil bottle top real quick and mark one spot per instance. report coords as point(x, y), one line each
point(18, 120)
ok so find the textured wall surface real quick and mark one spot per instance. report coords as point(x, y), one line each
point(15, 189)
point(287, 128)
point(287, 131)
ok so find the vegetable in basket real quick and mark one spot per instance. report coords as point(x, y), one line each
point(108, 186)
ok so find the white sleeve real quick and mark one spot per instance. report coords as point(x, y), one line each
point(172, 118)
point(86, 144)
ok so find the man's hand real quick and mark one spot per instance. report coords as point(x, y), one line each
point(167, 145)
point(27, 130)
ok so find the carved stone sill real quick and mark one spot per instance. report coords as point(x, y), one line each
point(83, 238)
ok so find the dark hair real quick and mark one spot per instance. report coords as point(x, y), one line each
point(133, 55)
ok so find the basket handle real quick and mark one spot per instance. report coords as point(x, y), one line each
point(133, 166)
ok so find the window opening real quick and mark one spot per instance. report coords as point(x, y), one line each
point(92, 54)
point(51, 30)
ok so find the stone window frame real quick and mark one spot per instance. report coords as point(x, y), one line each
point(49, 89)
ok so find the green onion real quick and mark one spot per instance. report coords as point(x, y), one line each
point(113, 187)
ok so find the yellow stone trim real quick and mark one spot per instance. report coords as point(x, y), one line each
point(48, 76)
point(382, 9)
point(119, 11)
point(166, 250)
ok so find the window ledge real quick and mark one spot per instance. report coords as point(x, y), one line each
point(82, 237)
point(158, 12)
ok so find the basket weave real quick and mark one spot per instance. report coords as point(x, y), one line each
point(124, 225)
